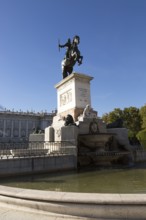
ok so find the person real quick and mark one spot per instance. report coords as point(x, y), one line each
point(68, 45)
point(71, 47)
point(72, 55)
point(75, 50)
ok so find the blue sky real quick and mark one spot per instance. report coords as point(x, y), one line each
point(113, 43)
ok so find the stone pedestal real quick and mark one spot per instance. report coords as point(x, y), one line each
point(70, 134)
point(121, 134)
point(73, 95)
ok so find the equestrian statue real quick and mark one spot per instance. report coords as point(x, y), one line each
point(72, 56)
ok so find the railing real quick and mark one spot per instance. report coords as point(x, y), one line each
point(36, 149)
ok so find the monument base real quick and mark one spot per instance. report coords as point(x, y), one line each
point(78, 125)
point(75, 113)
point(73, 95)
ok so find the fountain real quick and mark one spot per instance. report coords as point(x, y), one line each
point(76, 122)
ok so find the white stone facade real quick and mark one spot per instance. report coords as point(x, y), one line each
point(73, 92)
point(16, 126)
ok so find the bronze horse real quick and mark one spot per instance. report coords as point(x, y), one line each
point(71, 57)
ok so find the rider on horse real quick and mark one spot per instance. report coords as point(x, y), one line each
point(72, 55)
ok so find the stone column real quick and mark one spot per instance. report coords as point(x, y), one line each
point(12, 128)
point(4, 130)
point(19, 128)
point(27, 128)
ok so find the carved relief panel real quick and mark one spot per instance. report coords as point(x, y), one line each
point(66, 98)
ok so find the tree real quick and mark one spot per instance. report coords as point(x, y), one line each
point(105, 118)
point(143, 116)
point(132, 120)
point(141, 136)
point(112, 116)
point(117, 113)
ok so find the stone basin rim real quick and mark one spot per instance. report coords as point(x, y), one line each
point(73, 197)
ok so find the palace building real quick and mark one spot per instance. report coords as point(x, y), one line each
point(16, 126)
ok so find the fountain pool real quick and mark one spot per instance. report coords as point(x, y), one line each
point(101, 180)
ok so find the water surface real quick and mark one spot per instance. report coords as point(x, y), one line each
point(101, 180)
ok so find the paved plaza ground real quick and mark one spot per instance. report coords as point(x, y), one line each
point(9, 212)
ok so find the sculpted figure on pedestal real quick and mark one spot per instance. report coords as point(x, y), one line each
point(72, 56)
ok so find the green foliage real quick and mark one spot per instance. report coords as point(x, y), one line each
point(112, 116)
point(105, 118)
point(143, 116)
point(131, 119)
point(131, 134)
point(115, 114)
point(141, 136)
